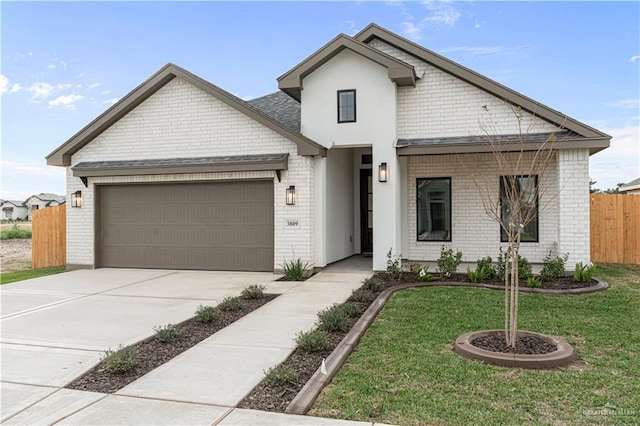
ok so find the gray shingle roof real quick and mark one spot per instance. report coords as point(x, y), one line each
point(167, 162)
point(632, 183)
point(534, 137)
point(279, 107)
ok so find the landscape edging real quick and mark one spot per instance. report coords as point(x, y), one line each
point(302, 402)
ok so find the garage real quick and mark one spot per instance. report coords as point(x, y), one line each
point(226, 226)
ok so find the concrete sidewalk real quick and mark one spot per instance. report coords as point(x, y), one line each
point(202, 385)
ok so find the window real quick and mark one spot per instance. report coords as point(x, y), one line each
point(346, 106)
point(433, 207)
point(520, 193)
point(35, 207)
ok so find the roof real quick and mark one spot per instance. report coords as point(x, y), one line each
point(281, 108)
point(599, 139)
point(231, 163)
point(634, 184)
point(400, 72)
point(61, 156)
point(48, 196)
point(14, 202)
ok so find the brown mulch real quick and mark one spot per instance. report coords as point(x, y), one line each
point(152, 353)
point(525, 345)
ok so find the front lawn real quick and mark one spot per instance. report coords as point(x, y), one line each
point(10, 277)
point(405, 371)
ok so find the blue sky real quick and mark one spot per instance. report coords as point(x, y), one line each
point(63, 64)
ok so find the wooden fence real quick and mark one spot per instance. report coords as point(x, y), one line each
point(49, 237)
point(615, 228)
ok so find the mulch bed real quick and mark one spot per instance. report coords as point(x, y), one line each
point(152, 353)
point(525, 345)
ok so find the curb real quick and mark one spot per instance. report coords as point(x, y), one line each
point(302, 402)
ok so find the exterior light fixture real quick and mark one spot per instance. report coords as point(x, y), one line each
point(382, 172)
point(291, 195)
point(76, 199)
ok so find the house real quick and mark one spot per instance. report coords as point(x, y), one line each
point(41, 201)
point(12, 210)
point(359, 152)
point(632, 187)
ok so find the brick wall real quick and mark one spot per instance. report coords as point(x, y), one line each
point(182, 121)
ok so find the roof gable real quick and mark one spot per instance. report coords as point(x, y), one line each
point(400, 72)
point(373, 31)
point(61, 156)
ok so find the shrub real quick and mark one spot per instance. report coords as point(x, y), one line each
point(425, 276)
point(231, 304)
point(553, 266)
point(279, 376)
point(313, 340)
point(372, 284)
point(120, 361)
point(533, 282)
point(393, 266)
point(333, 318)
point(479, 275)
point(448, 263)
point(524, 267)
point(584, 273)
point(254, 291)
point(167, 333)
point(15, 233)
point(490, 269)
point(207, 313)
point(294, 270)
point(362, 295)
point(350, 310)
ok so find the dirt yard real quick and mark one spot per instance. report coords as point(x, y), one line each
point(15, 255)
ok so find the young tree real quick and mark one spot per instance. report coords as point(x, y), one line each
point(521, 162)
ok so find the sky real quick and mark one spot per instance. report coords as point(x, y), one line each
point(64, 63)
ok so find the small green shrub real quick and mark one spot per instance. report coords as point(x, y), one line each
point(313, 340)
point(372, 284)
point(253, 291)
point(487, 263)
point(480, 274)
point(425, 276)
point(393, 266)
point(279, 376)
point(350, 310)
point(231, 304)
point(362, 295)
point(15, 233)
point(167, 333)
point(584, 273)
point(524, 267)
point(533, 282)
point(294, 270)
point(553, 266)
point(207, 313)
point(120, 361)
point(448, 262)
point(334, 318)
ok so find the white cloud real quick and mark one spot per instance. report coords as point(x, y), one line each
point(4, 83)
point(105, 92)
point(15, 88)
point(67, 101)
point(113, 101)
point(476, 25)
point(621, 161)
point(93, 86)
point(410, 30)
point(40, 90)
point(634, 58)
point(52, 66)
point(626, 103)
point(442, 13)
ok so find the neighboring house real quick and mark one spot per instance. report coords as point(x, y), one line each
point(12, 210)
point(182, 174)
point(41, 201)
point(632, 187)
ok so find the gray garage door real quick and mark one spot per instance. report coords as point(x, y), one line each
point(215, 226)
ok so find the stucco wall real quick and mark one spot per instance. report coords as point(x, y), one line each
point(182, 121)
point(340, 195)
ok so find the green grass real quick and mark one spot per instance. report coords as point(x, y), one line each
point(405, 372)
point(15, 233)
point(10, 277)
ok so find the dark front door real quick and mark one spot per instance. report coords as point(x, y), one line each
point(366, 211)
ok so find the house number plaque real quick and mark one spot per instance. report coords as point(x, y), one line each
point(292, 223)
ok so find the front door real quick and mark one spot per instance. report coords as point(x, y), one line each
point(366, 211)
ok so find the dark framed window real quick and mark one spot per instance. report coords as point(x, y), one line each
point(523, 193)
point(433, 207)
point(346, 106)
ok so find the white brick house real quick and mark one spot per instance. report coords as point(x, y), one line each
point(182, 175)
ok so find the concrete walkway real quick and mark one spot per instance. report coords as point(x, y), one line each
point(49, 339)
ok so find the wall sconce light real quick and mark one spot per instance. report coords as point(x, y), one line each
point(291, 195)
point(382, 172)
point(76, 199)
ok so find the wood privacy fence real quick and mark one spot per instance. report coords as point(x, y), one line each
point(615, 228)
point(49, 237)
